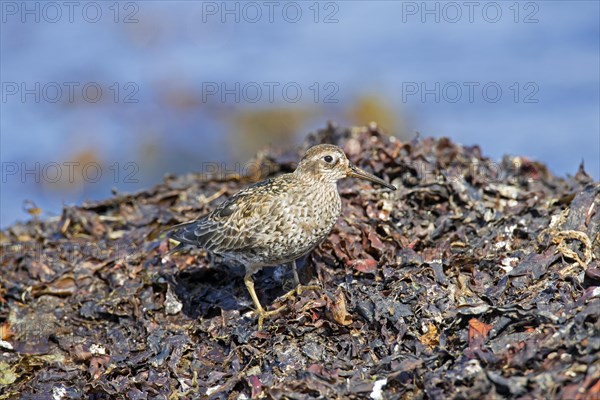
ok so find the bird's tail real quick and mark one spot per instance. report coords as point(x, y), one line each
point(182, 233)
point(179, 247)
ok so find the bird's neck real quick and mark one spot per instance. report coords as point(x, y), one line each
point(320, 183)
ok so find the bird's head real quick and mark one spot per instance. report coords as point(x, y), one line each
point(328, 163)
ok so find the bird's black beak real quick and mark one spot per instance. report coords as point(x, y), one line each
point(355, 172)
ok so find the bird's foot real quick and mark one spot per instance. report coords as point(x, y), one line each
point(297, 291)
point(262, 314)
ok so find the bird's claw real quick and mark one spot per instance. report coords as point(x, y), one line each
point(297, 291)
point(262, 314)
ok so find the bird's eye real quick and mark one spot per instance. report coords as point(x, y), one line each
point(328, 159)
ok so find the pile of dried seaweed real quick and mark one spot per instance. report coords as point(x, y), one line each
point(474, 280)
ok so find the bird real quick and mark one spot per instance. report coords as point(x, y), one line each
point(276, 221)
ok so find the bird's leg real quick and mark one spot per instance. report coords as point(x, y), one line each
point(295, 271)
point(210, 257)
point(262, 314)
point(298, 288)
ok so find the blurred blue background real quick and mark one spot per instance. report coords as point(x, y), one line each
point(116, 94)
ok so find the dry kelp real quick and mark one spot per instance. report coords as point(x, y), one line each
point(476, 279)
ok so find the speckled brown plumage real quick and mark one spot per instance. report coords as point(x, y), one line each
point(278, 220)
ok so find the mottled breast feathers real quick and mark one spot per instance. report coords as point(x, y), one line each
point(271, 222)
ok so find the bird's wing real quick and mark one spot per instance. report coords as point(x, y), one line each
point(236, 224)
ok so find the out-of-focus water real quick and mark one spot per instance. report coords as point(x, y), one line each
point(115, 94)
